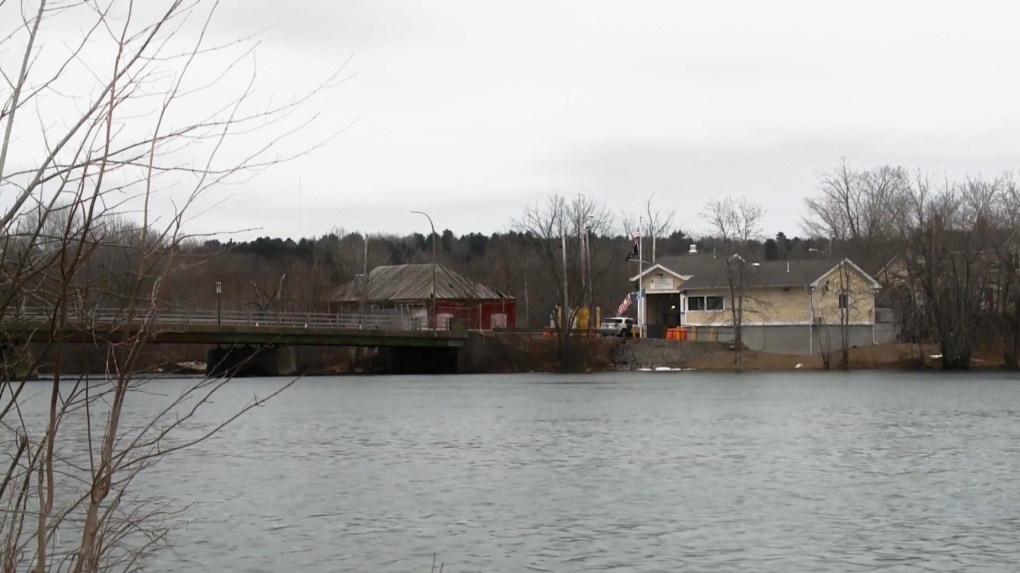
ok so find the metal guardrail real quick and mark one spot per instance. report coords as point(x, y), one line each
point(228, 318)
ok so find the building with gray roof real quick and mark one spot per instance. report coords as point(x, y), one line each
point(796, 306)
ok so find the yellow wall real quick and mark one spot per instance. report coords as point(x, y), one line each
point(862, 297)
point(646, 281)
point(779, 305)
point(786, 306)
point(895, 272)
point(760, 305)
point(711, 317)
point(793, 305)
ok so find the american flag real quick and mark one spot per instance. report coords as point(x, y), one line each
point(624, 305)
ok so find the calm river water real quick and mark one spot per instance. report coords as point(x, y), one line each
point(625, 472)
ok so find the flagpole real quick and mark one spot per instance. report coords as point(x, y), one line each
point(641, 268)
point(565, 314)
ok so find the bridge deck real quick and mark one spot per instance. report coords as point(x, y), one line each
point(234, 327)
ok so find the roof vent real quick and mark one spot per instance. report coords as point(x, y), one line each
point(694, 249)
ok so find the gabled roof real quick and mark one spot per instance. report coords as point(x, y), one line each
point(887, 267)
point(703, 271)
point(413, 283)
point(871, 280)
point(659, 267)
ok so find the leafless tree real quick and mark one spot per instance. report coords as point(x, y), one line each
point(852, 305)
point(97, 123)
point(553, 227)
point(736, 222)
point(652, 224)
point(1007, 251)
point(947, 236)
point(660, 223)
point(856, 210)
point(350, 259)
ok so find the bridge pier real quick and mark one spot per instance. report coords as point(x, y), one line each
point(251, 361)
point(418, 360)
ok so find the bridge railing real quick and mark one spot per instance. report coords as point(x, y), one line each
point(165, 318)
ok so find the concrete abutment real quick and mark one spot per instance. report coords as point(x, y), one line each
point(247, 361)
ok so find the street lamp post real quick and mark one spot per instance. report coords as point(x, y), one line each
point(435, 317)
point(219, 306)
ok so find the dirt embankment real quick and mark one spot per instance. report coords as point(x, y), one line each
point(893, 356)
point(505, 353)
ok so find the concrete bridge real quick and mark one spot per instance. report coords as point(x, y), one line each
point(250, 342)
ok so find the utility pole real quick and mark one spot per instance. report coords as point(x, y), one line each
point(364, 282)
point(580, 244)
point(565, 311)
point(587, 254)
point(527, 307)
point(641, 269)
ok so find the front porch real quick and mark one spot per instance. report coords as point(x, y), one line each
point(666, 309)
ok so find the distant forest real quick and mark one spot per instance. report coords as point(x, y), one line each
point(957, 245)
point(311, 268)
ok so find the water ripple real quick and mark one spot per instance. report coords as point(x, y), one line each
point(629, 473)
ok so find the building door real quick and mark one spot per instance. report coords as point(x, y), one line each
point(672, 311)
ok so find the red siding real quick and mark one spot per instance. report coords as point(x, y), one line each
point(476, 315)
point(479, 315)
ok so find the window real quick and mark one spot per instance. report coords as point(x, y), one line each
point(697, 303)
point(844, 301)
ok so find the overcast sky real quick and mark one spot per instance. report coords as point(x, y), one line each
point(469, 110)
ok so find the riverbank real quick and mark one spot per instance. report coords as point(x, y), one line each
point(892, 356)
point(514, 353)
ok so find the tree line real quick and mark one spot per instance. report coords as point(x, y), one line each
point(947, 253)
point(99, 126)
point(952, 281)
point(515, 262)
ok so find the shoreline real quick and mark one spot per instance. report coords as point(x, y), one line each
point(732, 369)
point(652, 359)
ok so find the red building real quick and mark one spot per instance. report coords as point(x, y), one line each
point(410, 287)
